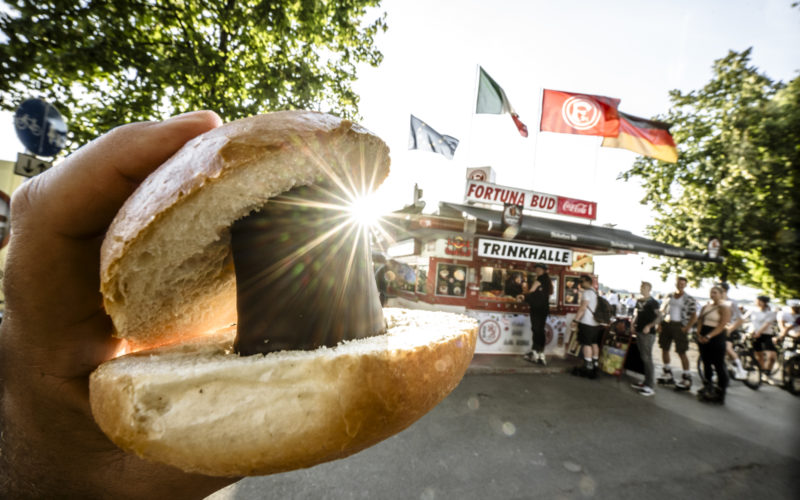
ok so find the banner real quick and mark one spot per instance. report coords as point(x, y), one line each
point(582, 114)
point(646, 137)
point(424, 138)
point(492, 100)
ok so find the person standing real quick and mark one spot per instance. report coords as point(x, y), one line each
point(630, 304)
point(732, 331)
point(588, 329)
point(763, 320)
point(679, 311)
point(613, 301)
point(645, 319)
point(538, 299)
point(711, 342)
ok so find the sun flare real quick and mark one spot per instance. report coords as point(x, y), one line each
point(365, 211)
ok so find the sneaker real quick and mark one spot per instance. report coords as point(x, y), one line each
point(529, 357)
point(542, 359)
point(685, 384)
point(638, 386)
point(666, 379)
point(646, 391)
point(739, 373)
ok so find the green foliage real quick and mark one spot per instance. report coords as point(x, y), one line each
point(108, 62)
point(737, 178)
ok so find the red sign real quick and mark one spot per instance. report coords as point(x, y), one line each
point(577, 208)
point(458, 246)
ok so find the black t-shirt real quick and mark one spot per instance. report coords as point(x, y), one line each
point(646, 312)
point(539, 298)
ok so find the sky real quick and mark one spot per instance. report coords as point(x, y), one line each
point(632, 50)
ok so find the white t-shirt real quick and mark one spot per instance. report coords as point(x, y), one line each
point(735, 312)
point(675, 308)
point(613, 299)
point(759, 317)
point(591, 297)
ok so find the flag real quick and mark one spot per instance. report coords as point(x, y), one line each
point(583, 114)
point(492, 100)
point(425, 138)
point(646, 137)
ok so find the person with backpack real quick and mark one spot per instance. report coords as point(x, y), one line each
point(645, 319)
point(538, 299)
point(589, 328)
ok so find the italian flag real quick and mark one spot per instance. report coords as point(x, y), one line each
point(492, 100)
point(646, 137)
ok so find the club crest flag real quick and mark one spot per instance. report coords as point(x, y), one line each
point(646, 137)
point(492, 100)
point(424, 138)
point(582, 114)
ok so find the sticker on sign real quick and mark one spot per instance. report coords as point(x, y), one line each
point(28, 165)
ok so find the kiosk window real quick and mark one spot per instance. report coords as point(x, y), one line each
point(571, 292)
point(501, 284)
point(422, 279)
point(451, 280)
point(406, 278)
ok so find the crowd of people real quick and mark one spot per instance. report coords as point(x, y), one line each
point(673, 320)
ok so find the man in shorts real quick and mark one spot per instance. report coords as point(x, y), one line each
point(679, 311)
point(588, 329)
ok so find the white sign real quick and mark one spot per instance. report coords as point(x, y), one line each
point(28, 165)
point(402, 248)
point(498, 249)
point(484, 192)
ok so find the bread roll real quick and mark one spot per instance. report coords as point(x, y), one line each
point(167, 280)
point(198, 407)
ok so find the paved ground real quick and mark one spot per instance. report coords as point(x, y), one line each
point(546, 434)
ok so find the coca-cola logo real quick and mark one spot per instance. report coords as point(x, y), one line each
point(568, 206)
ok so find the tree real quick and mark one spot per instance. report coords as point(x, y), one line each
point(737, 178)
point(108, 62)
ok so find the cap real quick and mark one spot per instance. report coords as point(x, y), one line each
point(541, 264)
point(763, 298)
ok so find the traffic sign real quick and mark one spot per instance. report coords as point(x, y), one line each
point(40, 127)
point(28, 165)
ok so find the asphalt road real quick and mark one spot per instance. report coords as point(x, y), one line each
point(519, 436)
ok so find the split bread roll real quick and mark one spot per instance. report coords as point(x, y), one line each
point(200, 408)
point(184, 397)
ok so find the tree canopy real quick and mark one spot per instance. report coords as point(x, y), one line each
point(736, 179)
point(108, 62)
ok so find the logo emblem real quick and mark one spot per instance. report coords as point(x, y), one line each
point(489, 332)
point(580, 113)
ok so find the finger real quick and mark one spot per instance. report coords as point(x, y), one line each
point(80, 196)
point(58, 219)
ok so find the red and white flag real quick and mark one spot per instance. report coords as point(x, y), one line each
point(583, 114)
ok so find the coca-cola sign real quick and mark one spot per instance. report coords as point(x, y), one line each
point(577, 208)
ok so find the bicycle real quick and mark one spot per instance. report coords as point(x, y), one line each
point(743, 347)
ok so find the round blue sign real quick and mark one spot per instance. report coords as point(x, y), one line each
point(40, 127)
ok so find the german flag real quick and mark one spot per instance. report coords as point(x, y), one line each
point(646, 137)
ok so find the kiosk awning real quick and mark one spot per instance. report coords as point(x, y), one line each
point(571, 233)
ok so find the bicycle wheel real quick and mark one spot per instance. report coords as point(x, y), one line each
point(753, 369)
point(791, 375)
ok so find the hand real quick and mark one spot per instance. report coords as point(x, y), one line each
point(55, 331)
point(646, 329)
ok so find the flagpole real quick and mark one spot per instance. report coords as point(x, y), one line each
point(472, 113)
point(538, 129)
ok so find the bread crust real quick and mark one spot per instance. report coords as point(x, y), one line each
point(202, 409)
point(237, 167)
